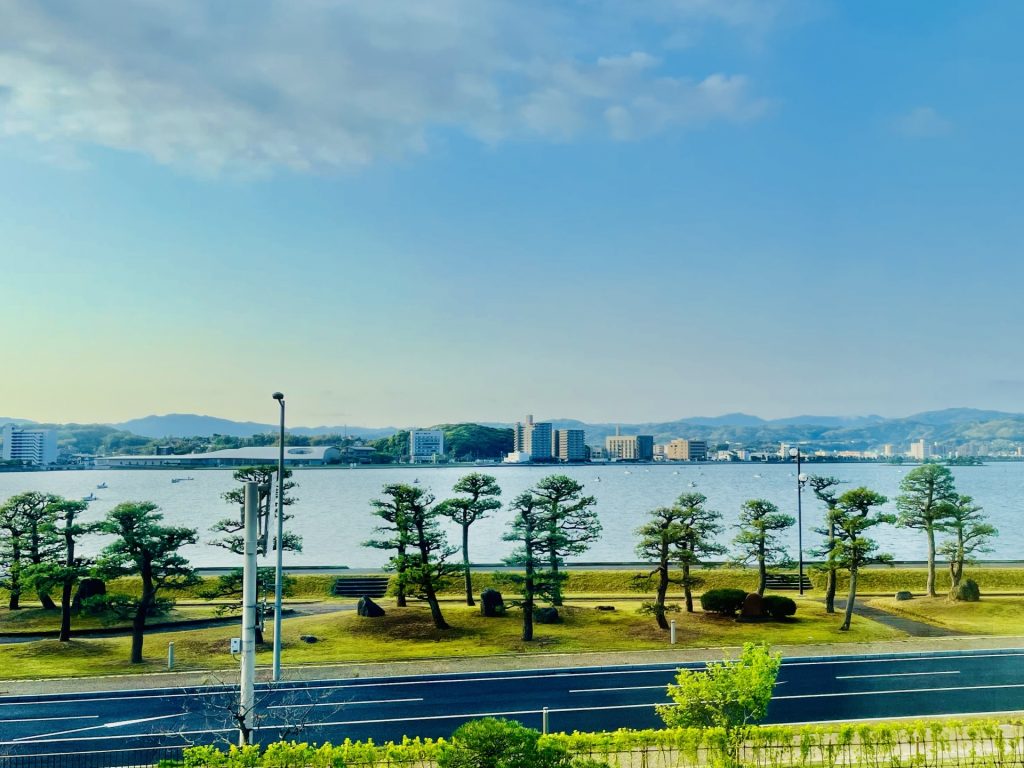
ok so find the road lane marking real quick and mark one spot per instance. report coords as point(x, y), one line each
point(37, 737)
point(896, 674)
point(342, 703)
point(625, 688)
point(43, 719)
point(906, 690)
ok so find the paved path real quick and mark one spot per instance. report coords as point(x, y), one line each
point(901, 623)
point(809, 689)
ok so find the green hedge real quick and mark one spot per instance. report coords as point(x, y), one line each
point(922, 744)
point(889, 581)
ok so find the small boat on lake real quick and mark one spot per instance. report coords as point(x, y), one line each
point(101, 486)
point(181, 479)
point(90, 497)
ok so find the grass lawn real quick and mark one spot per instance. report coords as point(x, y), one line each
point(408, 634)
point(35, 619)
point(990, 616)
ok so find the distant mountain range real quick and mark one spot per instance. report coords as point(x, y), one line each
point(828, 432)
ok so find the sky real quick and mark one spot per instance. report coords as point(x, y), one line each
point(405, 213)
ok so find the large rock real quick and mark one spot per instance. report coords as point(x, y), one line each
point(366, 607)
point(546, 616)
point(904, 595)
point(753, 607)
point(88, 588)
point(492, 603)
point(968, 591)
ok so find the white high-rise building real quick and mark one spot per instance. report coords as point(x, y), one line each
point(36, 446)
point(425, 445)
point(919, 450)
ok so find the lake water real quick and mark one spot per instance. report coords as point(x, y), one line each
point(333, 514)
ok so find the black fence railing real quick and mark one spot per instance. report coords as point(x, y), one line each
point(125, 758)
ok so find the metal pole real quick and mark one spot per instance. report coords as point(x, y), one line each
point(170, 656)
point(544, 720)
point(800, 520)
point(278, 575)
point(247, 697)
point(672, 632)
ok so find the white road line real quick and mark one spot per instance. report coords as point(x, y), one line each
point(905, 690)
point(43, 719)
point(896, 674)
point(841, 660)
point(41, 736)
point(625, 688)
point(342, 703)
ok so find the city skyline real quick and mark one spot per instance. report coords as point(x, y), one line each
point(471, 211)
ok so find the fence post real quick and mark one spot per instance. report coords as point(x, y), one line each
point(170, 656)
point(672, 632)
point(544, 720)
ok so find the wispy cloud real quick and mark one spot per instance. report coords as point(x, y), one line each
point(922, 122)
point(328, 84)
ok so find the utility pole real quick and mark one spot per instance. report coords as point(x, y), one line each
point(247, 697)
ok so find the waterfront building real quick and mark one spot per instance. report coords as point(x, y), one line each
point(686, 450)
point(534, 438)
point(35, 446)
point(295, 456)
point(919, 450)
point(630, 447)
point(888, 450)
point(569, 445)
point(425, 445)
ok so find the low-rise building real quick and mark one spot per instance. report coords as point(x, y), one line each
point(294, 456)
point(425, 445)
point(630, 447)
point(686, 450)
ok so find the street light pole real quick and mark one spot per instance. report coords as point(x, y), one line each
point(279, 546)
point(795, 452)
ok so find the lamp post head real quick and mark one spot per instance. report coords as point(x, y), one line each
point(794, 452)
point(278, 396)
point(802, 477)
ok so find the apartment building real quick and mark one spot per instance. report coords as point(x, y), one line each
point(425, 445)
point(569, 445)
point(36, 446)
point(686, 450)
point(630, 447)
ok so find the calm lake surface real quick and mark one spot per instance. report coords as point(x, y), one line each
point(332, 511)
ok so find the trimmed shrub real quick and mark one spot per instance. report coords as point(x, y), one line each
point(779, 606)
point(496, 743)
point(723, 601)
point(967, 591)
point(904, 595)
point(546, 616)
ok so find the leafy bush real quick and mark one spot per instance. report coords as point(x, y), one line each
point(778, 606)
point(497, 743)
point(967, 591)
point(723, 601)
point(904, 594)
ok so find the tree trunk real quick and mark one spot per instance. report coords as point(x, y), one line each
point(850, 598)
point(556, 590)
point(830, 576)
point(138, 629)
point(465, 565)
point(659, 601)
point(47, 602)
point(435, 607)
point(687, 591)
point(65, 610)
point(400, 594)
point(762, 575)
point(14, 580)
point(931, 563)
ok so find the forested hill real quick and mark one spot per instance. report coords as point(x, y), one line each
point(462, 442)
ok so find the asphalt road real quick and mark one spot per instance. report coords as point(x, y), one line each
point(102, 724)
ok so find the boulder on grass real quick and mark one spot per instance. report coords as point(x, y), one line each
point(904, 595)
point(753, 607)
point(309, 639)
point(366, 607)
point(967, 591)
point(88, 588)
point(491, 603)
point(605, 607)
point(546, 616)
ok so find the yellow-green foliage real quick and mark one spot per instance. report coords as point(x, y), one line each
point(921, 744)
point(886, 581)
point(616, 581)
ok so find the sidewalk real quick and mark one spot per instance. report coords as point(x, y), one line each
point(450, 665)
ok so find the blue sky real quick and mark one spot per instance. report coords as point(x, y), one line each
point(405, 213)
